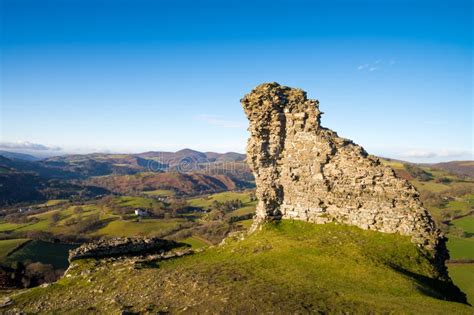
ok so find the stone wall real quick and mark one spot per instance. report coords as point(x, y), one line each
point(120, 246)
point(304, 171)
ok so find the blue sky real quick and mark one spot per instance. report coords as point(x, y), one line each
point(131, 76)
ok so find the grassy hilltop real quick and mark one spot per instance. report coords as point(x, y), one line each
point(285, 268)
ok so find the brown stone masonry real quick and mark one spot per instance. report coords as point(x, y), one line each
point(306, 172)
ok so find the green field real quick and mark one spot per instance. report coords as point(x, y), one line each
point(44, 252)
point(461, 248)
point(144, 227)
point(247, 209)
point(66, 213)
point(136, 202)
point(392, 164)
point(466, 224)
point(55, 202)
point(6, 226)
point(430, 186)
point(291, 267)
point(206, 202)
point(160, 193)
point(461, 206)
point(41, 225)
point(7, 246)
point(195, 242)
point(246, 223)
point(463, 277)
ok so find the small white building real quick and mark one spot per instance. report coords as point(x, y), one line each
point(141, 213)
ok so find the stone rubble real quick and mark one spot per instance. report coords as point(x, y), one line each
point(120, 246)
point(304, 171)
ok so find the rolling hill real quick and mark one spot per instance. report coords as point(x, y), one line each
point(18, 156)
point(186, 184)
point(24, 179)
point(291, 267)
point(463, 168)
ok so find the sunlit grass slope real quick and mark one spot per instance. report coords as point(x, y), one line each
point(291, 267)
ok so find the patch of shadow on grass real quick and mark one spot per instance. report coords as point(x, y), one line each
point(438, 289)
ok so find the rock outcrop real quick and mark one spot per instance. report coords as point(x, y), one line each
point(304, 171)
point(121, 246)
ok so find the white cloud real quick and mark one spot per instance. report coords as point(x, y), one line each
point(26, 145)
point(376, 65)
point(224, 123)
point(418, 154)
point(446, 153)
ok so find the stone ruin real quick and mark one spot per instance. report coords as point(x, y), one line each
point(304, 171)
point(122, 246)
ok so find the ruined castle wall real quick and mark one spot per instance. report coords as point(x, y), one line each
point(306, 172)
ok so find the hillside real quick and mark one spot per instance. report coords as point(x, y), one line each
point(18, 156)
point(178, 214)
point(20, 187)
point(114, 216)
point(24, 180)
point(99, 164)
point(179, 183)
point(293, 267)
point(464, 168)
point(174, 158)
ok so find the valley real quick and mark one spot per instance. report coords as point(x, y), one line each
point(199, 210)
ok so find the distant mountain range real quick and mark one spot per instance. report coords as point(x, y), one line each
point(24, 178)
point(106, 164)
point(187, 172)
point(463, 168)
point(99, 164)
point(19, 156)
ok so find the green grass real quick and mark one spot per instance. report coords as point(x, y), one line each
point(246, 223)
point(249, 208)
point(393, 164)
point(463, 276)
point(136, 202)
point(466, 224)
point(293, 267)
point(7, 246)
point(44, 252)
point(429, 186)
point(145, 227)
point(461, 206)
point(55, 202)
point(206, 202)
point(464, 204)
point(113, 225)
point(6, 226)
point(461, 248)
point(160, 192)
point(195, 242)
point(41, 225)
